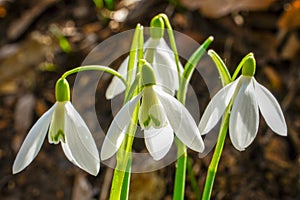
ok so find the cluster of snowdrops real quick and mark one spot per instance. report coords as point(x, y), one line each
point(155, 83)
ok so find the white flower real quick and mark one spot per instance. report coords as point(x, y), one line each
point(66, 127)
point(160, 116)
point(161, 57)
point(247, 96)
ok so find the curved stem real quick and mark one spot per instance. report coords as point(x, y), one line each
point(95, 68)
point(172, 42)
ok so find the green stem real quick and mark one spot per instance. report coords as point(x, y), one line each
point(96, 68)
point(139, 50)
point(180, 173)
point(115, 191)
point(126, 181)
point(213, 167)
point(121, 179)
point(119, 183)
point(172, 41)
point(192, 179)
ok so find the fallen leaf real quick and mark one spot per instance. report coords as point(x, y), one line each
point(220, 8)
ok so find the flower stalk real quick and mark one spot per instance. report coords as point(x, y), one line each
point(213, 166)
point(180, 174)
point(121, 178)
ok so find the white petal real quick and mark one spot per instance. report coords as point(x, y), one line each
point(33, 141)
point(118, 128)
point(163, 45)
point(164, 65)
point(270, 109)
point(81, 144)
point(117, 86)
point(181, 121)
point(244, 117)
point(68, 153)
point(159, 141)
point(216, 107)
point(151, 43)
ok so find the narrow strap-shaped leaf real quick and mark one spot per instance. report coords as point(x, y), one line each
point(222, 69)
point(133, 52)
point(190, 66)
point(126, 181)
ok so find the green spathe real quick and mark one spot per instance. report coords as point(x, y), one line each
point(148, 76)
point(62, 90)
point(157, 26)
point(249, 65)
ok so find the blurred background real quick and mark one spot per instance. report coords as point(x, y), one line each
point(41, 39)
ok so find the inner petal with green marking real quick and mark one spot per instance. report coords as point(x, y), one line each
point(56, 131)
point(151, 112)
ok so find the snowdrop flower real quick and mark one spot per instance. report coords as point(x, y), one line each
point(66, 127)
point(159, 55)
point(247, 97)
point(160, 115)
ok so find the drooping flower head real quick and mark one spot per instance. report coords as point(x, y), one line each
point(247, 97)
point(66, 127)
point(160, 116)
point(159, 55)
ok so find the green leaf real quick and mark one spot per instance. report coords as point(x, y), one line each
point(190, 67)
point(222, 69)
point(194, 59)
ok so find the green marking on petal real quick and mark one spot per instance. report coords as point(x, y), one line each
point(150, 113)
point(57, 126)
point(156, 122)
point(157, 116)
point(59, 136)
point(146, 122)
